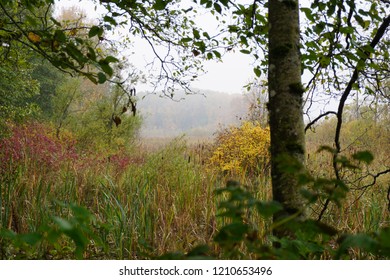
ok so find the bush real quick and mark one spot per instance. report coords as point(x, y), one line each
point(242, 150)
point(36, 145)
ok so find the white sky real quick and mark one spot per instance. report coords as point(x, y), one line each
point(228, 76)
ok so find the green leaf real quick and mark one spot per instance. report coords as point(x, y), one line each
point(245, 51)
point(309, 195)
point(55, 21)
point(63, 224)
point(72, 50)
point(80, 240)
point(110, 20)
point(361, 241)
point(244, 40)
point(384, 239)
point(312, 44)
point(95, 30)
point(368, 48)
point(60, 36)
point(364, 156)
point(186, 40)
point(160, 5)
point(8, 234)
point(232, 233)
point(257, 71)
point(331, 10)
point(225, 2)
point(308, 13)
point(351, 56)
point(31, 238)
point(320, 227)
point(217, 54)
point(31, 20)
point(53, 236)
point(233, 28)
point(218, 8)
point(106, 67)
point(366, 24)
point(199, 252)
point(102, 78)
point(345, 162)
point(91, 54)
point(91, 78)
point(347, 30)
point(318, 28)
point(360, 20)
point(196, 33)
point(201, 46)
point(324, 61)
point(111, 59)
point(361, 54)
point(268, 208)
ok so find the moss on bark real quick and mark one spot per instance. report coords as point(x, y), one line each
point(285, 104)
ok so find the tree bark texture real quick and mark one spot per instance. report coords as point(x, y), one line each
point(285, 104)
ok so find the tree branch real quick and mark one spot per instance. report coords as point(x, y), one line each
point(381, 31)
point(318, 118)
point(364, 188)
point(379, 34)
point(374, 177)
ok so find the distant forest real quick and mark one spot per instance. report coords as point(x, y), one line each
point(197, 115)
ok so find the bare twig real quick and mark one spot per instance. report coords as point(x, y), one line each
point(374, 178)
point(318, 118)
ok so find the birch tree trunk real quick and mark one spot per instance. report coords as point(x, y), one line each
point(285, 104)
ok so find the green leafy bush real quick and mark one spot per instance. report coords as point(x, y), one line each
point(58, 238)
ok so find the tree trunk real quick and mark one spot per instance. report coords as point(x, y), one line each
point(285, 105)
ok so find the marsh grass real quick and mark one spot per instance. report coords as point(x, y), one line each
point(164, 204)
point(158, 202)
point(365, 206)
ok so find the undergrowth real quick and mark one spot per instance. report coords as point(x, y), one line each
point(60, 202)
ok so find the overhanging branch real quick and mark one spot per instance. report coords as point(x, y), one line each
point(381, 31)
point(378, 36)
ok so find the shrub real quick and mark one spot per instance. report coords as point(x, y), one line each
point(35, 144)
point(242, 150)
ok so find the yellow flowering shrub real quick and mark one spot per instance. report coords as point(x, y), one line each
point(242, 150)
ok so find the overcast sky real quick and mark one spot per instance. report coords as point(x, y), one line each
point(228, 76)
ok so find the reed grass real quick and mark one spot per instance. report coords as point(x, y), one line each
point(163, 203)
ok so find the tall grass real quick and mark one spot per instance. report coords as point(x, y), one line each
point(365, 207)
point(163, 204)
point(143, 204)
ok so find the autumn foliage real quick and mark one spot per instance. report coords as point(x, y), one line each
point(36, 143)
point(242, 150)
point(36, 147)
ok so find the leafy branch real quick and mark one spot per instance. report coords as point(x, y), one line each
point(358, 68)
